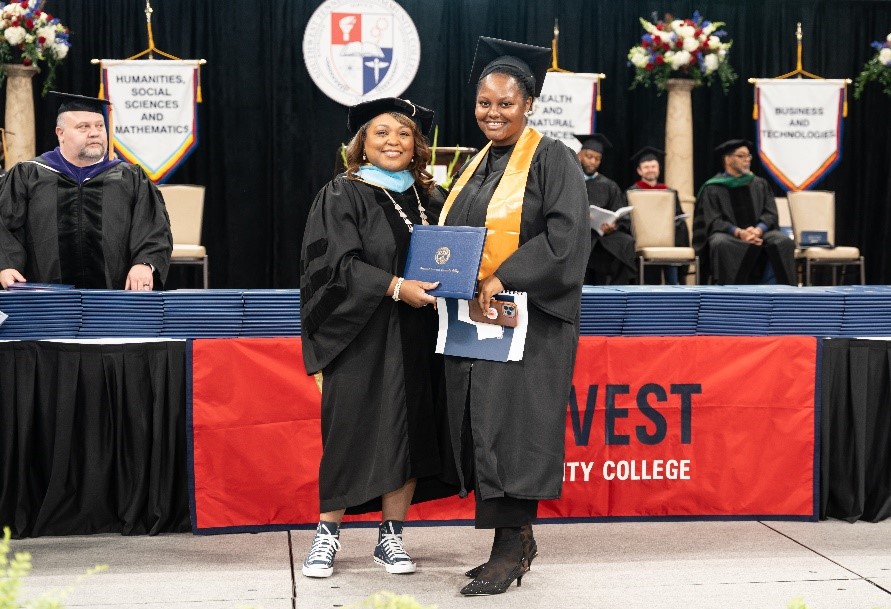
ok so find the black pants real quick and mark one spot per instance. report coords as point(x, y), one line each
point(496, 512)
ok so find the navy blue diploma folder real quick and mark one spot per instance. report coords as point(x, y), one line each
point(447, 254)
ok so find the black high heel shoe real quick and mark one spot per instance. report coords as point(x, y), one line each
point(530, 551)
point(507, 562)
point(486, 584)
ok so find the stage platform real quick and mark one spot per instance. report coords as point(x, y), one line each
point(692, 565)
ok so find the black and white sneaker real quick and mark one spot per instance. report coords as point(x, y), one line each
point(389, 550)
point(320, 560)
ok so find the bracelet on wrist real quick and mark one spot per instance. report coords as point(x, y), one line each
point(397, 287)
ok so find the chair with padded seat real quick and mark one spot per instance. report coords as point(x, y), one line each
point(185, 206)
point(813, 211)
point(653, 228)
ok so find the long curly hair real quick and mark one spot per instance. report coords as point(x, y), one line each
point(418, 167)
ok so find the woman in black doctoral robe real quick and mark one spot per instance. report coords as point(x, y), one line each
point(371, 334)
point(508, 419)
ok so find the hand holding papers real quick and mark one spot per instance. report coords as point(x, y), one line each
point(599, 216)
point(461, 336)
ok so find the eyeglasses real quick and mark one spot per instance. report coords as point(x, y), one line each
point(743, 157)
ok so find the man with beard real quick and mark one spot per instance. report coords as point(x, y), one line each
point(612, 253)
point(74, 216)
point(647, 163)
point(735, 229)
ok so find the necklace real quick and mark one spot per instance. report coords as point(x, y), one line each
point(402, 213)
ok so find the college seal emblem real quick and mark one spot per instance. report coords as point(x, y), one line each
point(442, 255)
point(356, 50)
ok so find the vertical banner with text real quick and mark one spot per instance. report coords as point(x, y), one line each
point(799, 129)
point(154, 112)
point(567, 105)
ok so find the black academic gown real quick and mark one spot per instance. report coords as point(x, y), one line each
point(383, 404)
point(54, 230)
point(518, 409)
point(612, 256)
point(730, 260)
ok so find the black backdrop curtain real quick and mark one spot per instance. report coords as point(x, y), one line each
point(269, 137)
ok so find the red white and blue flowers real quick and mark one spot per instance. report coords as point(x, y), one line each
point(682, 48)
point(31, 36)
point(878, 68)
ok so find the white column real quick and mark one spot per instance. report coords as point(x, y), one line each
point(20, 138)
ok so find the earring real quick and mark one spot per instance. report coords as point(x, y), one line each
point(527, 113)
point(364, 157)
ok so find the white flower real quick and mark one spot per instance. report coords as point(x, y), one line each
point(690, 44)
point(888, 38)
point(680, 59)
point(648, 27)
point(711, 63)
point(722, 52)
point(14, 35)
point(638, 57)
point(885, 56)
point(714, 42)
point(49, 33)
point(707, 30)
point(686, 31)
point(61, 50)
point(676, 25)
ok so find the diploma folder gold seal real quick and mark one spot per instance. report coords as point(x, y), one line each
point(449, 255)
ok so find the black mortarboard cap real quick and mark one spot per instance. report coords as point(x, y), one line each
point(531, 61)
point(647, 153)
point(594, 141)
point(730, 145)
point(364, 112)
point(70, 102)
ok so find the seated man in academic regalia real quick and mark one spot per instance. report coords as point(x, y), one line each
point(735, 230)
point(648, 164)
point(612, 254)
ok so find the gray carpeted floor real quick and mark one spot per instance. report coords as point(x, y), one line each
point(688, 565)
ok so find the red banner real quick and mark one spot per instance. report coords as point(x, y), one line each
point(655, 427)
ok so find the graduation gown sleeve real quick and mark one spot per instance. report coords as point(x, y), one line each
point(13, 214)
point(342, 281)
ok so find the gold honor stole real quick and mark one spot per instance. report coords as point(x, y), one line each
point(506, 206)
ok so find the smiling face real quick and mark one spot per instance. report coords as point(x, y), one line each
point(82, 137)
point(500, 108)
point(649, 171)
point(389, 144)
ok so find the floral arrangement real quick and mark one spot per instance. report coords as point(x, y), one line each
point(682, 48)
point(878, 68)
point(31, 36)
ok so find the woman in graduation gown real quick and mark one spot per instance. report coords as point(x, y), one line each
point(508, 419)
point(372, 335)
